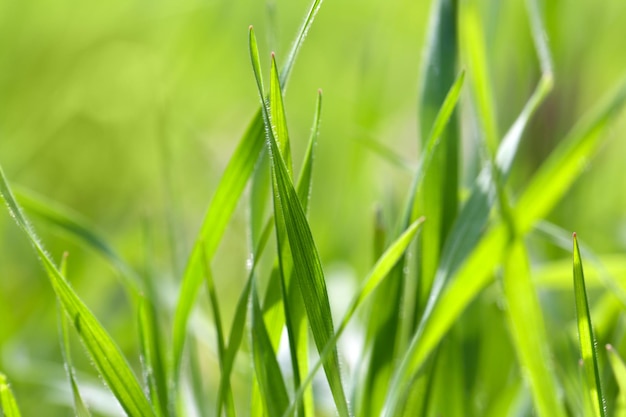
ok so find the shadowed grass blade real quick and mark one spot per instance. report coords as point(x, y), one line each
point(222, 206)
point(306, 263)
point(7, 400)
point(528, 331)
point(591, 374)
point(106, 355)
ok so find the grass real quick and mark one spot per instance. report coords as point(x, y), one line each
point(465, 310)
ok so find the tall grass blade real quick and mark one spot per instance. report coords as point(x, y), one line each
point(528, 331)
point(8, 405)
point(80, 408)
point(222, 206)
point(106, 355)
point(619, 370)
point(306, 262)
point(587, 339)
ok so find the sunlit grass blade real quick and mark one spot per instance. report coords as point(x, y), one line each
point(619, 370)
point(76, 226)
point(306, 263)
point(80, 408)
point(8, 405)
point(106, 355)
point(222, 206)
point(528, 331)
point(269, 376)
point(378, 274)
point(587, 338)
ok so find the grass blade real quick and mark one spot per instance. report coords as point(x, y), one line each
point(7, 400)
point(106, 355)
point(222, 206)
point(528, 331)
point(619, 370)
point(586, 338)
point(307, 266)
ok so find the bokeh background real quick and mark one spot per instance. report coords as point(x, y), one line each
point(128, 111)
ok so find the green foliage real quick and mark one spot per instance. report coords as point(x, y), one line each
point(467, 307)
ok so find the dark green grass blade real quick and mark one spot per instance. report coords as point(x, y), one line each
point(619, 370)
point(307, 266)
point(79, 228)
point(80, 408)
point(271, 382)
point(222, 206)
point(376, 277)
point(586, 338)
point(528, 331)
point(438, 198)
point(8, 405)
point(106, 355)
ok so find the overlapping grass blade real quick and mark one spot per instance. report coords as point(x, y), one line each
point(619, 370)
point(8, 405)
point(528, 331)
point(79, 228)
point(106, 355)
point(378, 274)
point(306, 263)
point(587, 339)
point(222, 206)
point(80, 408)
point(271, 382)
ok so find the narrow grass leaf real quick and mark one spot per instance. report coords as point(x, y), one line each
point(222, 206)
point(377, 275)
point(80, 408)
point(619, 371)
point(7, 400)
point(269, 376)
point(528, 331)
point(588, 351)
point(106, 355)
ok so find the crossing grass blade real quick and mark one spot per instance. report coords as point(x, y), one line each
point(306, 263)
point(8, 405)
point(222, 206)
point(106, 355)
point(591, 373)
point(80, 408)
point(528, 331)
point(619, 371)
point(378, 274)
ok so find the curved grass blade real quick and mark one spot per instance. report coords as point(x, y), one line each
point(271, 382)
point(106, 355)
point(528, 331)
point(378, 274)
point(80, 408)
point(306, 262)
point(619, 370)
point(222, 206)
point(8, 405)
point(78, 227)
point(587, 340)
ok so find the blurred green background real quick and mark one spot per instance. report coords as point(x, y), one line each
point(128, 112)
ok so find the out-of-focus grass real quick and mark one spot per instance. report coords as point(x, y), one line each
point(128, 113)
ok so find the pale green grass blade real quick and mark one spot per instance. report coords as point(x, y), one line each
point(106, 355)
point(278, 116)
point(439, 194)
point(587, 339)
point(222, 206)
point(619, 370)
point(528, 331)
point(271, 382)
point(78, 227)
point(80, 408)
point(307, 266)
point(8, 405)
point(378, 274)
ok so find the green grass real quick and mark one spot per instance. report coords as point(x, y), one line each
point(469, 305)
